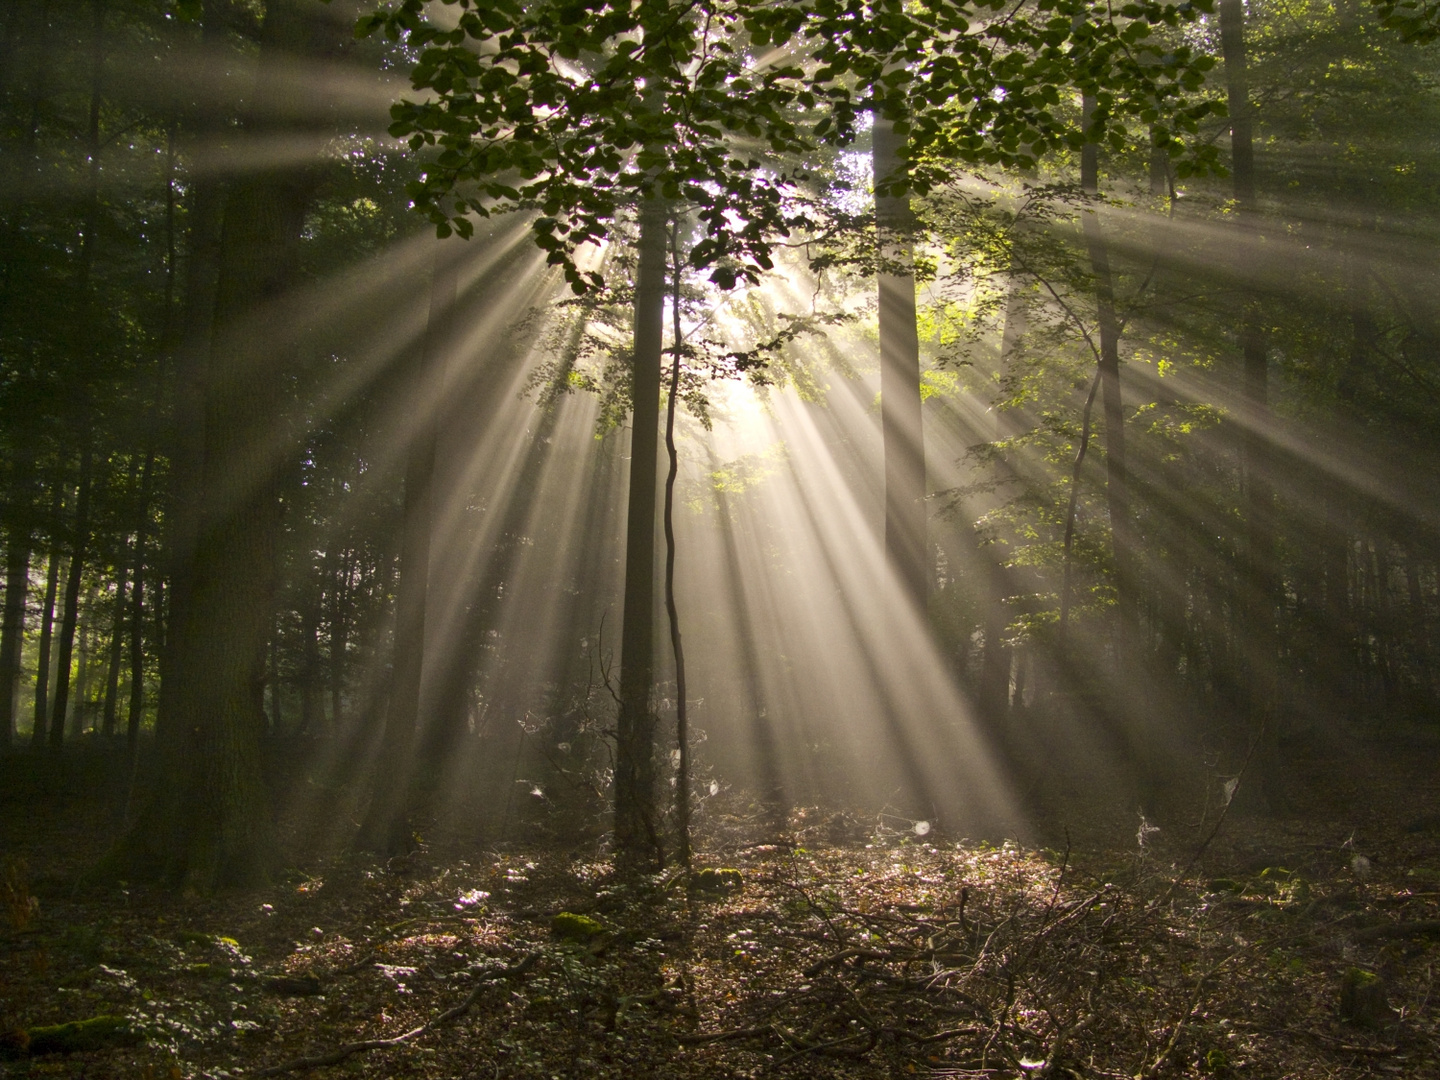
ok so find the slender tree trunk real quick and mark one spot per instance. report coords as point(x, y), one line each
point(310, 664)
point(637, 840)
point(136, 708)
point(1117, 484)
point(277, 721)
point(682, 715)
point(995, 663)
point(1419, 634)
point(1138, 729)
point(69, 618)
point(41, 722)
point(900, 417)
point(387, 827)
point(84, 669)
point(1260, 590)
point(18, 542)
point(111, 707)
point(340, 635)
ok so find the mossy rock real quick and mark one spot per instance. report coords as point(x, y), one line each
point(715, 882)
point(1224, 884)
point(581, 929)
point(97, 1033)
point(1363, 998)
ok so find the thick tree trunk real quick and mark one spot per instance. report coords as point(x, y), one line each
point(387, 826)
point(1260, 587)
point(900, 417)
point(189, 379)
point(208, 824)
point(637, 838)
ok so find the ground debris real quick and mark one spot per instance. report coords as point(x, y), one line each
point(894, 955)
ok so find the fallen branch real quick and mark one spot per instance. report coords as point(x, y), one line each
point(1398, 930)
point(700, 1038)
point(340, 1053)
point(1190, 1013)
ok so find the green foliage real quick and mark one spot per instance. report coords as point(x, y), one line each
point(78, 1036)
point(580, 929)
point(715, 882)
point(578, 113)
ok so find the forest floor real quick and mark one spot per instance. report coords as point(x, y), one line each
point(1302, 946)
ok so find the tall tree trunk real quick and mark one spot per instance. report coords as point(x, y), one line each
point(310, 662)
point(1419, 632)
point(19, 540)
point(118, 624)
point(900, 418)
point(208, 823)
point(340, 597)
point(136, 709)
point(1137, 728)
point(111, 704)
point(637, 840)
point(87, 635)
point(41, 721)
point(387, 827)
point(189, 378)
point(69, 618)
point(682, 714)
point(995, 663)
point(1260, 591)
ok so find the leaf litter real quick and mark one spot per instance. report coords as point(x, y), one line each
point(835, 949)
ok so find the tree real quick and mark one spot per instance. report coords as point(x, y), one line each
point(585, 113)
point(208, 823)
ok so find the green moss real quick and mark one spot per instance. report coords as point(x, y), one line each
point(1363, 1000)
point(96, 1033)
point(715, 881)
point(578, 928)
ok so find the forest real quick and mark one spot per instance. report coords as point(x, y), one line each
point(724, 538)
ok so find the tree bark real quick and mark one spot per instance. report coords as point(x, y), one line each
point(682, 715)
point(1260, 587)
point(189, 376)
point(136, 708)
point(636, 837)
point(41, 720)
point(70, 614)
point(995, 663)
point(18, 542)
point(1137, 728)
point(208, 823)
point(900, 417)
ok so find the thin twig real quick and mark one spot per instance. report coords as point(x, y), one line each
point(341, 1053)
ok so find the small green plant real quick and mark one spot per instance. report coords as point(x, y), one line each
point(716, 882)
point(567, 926)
